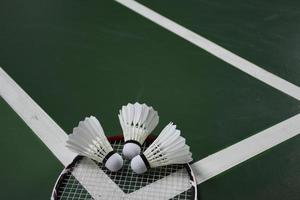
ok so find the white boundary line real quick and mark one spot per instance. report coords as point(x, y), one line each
point(54, 137)
point(40, 122)
point(36, 118)
point(216, 50)
point(246, 149)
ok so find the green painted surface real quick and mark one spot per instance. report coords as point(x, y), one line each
point(28, 169)
point(77, 58)
point(271, 175)
point(264, 32)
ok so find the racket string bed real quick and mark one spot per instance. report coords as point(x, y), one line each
point(72, 189)
point(130, 186)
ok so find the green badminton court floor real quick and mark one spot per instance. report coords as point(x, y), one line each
point(81, 58)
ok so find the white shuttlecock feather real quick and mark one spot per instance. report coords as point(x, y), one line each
point(137, 122)
point(88, 139)
point(168, 148)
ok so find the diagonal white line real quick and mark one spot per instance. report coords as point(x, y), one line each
point(246, 149)
point(216, 50)
point(45, 128)
point(36, 118)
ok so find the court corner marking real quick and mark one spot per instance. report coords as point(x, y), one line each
point(54, 137)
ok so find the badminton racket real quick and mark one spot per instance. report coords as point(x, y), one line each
point(85, 179)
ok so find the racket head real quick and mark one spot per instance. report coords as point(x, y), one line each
point(79, 178)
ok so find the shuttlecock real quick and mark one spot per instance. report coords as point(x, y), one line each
point(88, 140)
point(168, 148)
point(137, 122)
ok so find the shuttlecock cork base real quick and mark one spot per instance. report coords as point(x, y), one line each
point(131, 149)
point(113, 161)
point(139, 164)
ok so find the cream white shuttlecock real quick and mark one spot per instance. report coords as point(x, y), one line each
point(168, 148)
point(137, 122)
point(88, 139)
